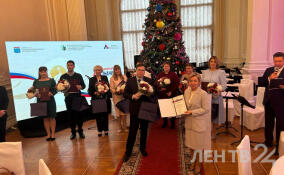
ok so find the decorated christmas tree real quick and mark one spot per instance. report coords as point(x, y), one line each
point(163, 37)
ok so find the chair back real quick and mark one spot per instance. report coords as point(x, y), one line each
point(246, 89)
point(43, 168)
point(259, 97)
point(244, 157)
point(11, 157)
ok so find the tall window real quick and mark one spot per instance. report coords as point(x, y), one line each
point(133, 14)
point(196, 19)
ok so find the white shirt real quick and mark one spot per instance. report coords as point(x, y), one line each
point(280, 70)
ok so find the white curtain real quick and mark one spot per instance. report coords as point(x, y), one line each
point(133, 15)
point(196, 20)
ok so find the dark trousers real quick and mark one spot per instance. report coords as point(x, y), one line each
point(172, 121)
point(102, 121)
point(269, 123)
point(134, 125)
point(3, 128)
point(75, 117)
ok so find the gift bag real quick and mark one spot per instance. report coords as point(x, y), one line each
point(148, 111)
point(39, 109)
point(99, 106)
point(123, 105)
point(79, 103)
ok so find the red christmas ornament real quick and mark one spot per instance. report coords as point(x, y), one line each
point(150, 36)
point(177, 62)
point(170, 14)
point(162, 47)
point(143, 43)
point(157, 32)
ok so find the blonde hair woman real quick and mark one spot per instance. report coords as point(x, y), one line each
point(198, 116)
point(116, 81)
point(101, 118)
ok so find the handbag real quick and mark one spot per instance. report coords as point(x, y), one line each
point(148, 111)
point(6, 171)
point(79, 103)
point(39, 109)
point(123, 105)
point(99, 106)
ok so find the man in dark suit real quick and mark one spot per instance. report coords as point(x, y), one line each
point(271, 73)
point(4, 101)
point(132, 93)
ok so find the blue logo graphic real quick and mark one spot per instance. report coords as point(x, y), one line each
point(17, 50)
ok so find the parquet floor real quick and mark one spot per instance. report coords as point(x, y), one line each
point(101, 156)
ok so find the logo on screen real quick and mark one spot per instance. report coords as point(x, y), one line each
point(17, 50)
point(106, 47)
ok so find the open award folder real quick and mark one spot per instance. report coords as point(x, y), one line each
point(172, 107)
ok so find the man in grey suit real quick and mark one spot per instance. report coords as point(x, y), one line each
point(4, 101)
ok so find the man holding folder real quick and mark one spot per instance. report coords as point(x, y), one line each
point(132, 93)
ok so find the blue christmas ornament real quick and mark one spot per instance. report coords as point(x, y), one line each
point(149, 8)
point(159, 7)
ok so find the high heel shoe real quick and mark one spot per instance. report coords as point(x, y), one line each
point(52, 139)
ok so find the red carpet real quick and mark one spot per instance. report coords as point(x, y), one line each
point(163, 152)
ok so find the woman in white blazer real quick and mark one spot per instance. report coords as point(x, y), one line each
point(198, 116)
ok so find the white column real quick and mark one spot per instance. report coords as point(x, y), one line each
point(265, 34)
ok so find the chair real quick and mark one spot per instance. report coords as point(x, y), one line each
point(11, 157)
point(281, 144)
point(246, 90)
point(244, 157)
point(254, 118)
point(42, 168)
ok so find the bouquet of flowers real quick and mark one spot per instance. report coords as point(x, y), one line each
point(101, 87)
point(214, 89)
point(164, 82)
point(120, 89)
point(32, 93)
point(145, 88)
point(183, 85)
point(63, 85)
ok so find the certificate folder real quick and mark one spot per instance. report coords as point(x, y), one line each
point(172, 107)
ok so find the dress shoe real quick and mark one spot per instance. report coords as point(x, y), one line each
point(173, 127)
point(99, 134)
point(48, 139)
point(126, 158)
point(73, 136)
point(106, 133)
point(52, 139)
point(164, 125)
point(82, 135)
point(144, 153)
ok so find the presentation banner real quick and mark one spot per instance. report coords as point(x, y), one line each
point(25, 57)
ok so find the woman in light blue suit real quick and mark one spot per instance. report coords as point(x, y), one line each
point(215, 75)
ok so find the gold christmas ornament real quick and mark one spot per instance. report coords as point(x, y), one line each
point(160, 24)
